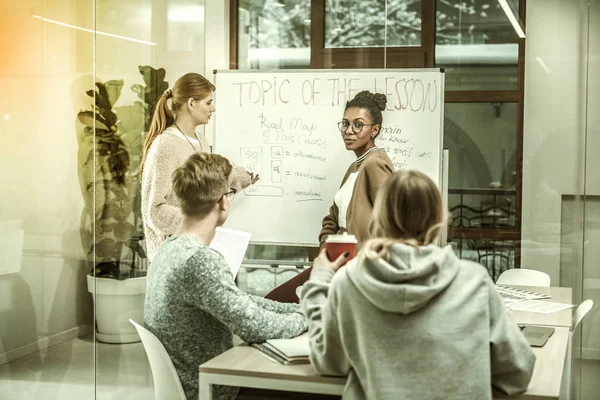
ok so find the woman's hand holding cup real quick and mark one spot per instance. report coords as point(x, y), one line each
point(323, 262)
point(339, 249)
point(340, 244)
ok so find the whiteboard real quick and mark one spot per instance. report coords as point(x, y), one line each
point(283, 126)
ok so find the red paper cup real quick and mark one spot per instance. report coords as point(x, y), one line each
point(337, 245)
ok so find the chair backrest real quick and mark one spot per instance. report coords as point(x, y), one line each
point(524, 277)
point(580, 312)
point(166, 381)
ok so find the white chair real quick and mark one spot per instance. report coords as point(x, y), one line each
point(524, 277)
point(166, 381)
point(580, 312)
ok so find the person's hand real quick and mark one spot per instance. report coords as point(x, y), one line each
point(253, 178)
point(323, 262)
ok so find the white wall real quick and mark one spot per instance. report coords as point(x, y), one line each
point(591, 265)
point(561, 234)
point(553, 144)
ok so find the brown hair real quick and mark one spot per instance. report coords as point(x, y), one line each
point(408, 209)
point(200, 182)
point(189, 86)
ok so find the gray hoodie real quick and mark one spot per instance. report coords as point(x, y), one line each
point(421, 325)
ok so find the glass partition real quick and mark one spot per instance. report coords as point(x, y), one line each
point(46, 312)
point(79, 81)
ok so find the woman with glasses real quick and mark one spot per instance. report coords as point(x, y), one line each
point(170, 141)
point(353, 204)
point(192, 304)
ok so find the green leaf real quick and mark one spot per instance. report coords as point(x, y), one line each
point(114, 88)
point(131, 119)
point(87, 119)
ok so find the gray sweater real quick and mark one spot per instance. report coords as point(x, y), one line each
point(422, 325)
point(193, 306)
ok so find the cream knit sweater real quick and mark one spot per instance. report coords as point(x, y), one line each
point(160, 209)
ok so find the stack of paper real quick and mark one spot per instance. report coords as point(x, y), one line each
point(286, 351)
point(512, 295)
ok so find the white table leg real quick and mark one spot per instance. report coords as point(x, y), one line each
point(205, 391)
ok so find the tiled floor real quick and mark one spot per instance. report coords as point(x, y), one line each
point(66, 372)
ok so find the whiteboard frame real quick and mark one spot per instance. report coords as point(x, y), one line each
point(443, 189)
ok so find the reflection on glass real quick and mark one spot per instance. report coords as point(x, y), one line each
point(482, 139)
point(351, 23)
point(496, 256)
point(477, 45)
point(274, 34)
point(482, 208)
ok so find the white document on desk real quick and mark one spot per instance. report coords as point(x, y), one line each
point(232, 245)
point(538, 306)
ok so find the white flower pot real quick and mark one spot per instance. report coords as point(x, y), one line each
point(115, 302)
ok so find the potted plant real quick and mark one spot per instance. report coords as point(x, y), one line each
point(109, 156)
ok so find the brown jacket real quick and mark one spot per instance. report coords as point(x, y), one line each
point(373, 171)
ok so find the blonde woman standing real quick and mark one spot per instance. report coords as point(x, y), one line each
point(170, 141)
point(407, 319)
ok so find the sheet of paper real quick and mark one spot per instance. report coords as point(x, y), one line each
point(232, 245)
point(542, 307)
point(509, 301)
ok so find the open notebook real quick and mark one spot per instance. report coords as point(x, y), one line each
point(286, 351)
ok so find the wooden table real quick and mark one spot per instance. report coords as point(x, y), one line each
point(246, 366)
point(558, 295)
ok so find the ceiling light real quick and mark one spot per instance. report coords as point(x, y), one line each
point(511, 17)
point(92, 31)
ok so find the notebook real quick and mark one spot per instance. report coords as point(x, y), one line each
point(287, 351)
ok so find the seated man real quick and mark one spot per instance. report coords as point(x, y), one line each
point(192, 303)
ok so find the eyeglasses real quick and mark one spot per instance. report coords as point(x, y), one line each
point(232, 191)
point(357, 127)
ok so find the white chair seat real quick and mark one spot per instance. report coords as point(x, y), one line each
point(580, 312)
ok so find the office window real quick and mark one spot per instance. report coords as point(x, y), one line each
point(273, 34)
point(372, 23)
point(477, 45)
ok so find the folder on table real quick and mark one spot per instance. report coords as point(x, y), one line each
point(286, 351)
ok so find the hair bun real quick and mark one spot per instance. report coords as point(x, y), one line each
point(380, 100)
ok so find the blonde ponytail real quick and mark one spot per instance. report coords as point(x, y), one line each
point(162, 118)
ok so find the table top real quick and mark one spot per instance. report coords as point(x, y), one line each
point(548, 370)
point(244, 360)
point(559, 319)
